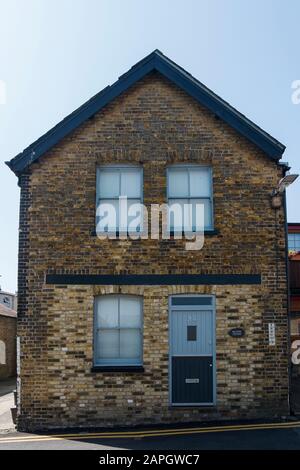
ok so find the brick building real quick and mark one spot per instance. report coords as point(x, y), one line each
point(294, 313)
point(8, 329)
point(8, 299)
point(124, 331)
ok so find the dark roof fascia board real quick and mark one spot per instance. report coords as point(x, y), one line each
point(155, 61)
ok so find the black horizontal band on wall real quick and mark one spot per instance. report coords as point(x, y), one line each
point(153, 279)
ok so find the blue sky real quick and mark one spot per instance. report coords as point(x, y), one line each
point(56, 54)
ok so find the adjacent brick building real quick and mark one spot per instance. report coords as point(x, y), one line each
point(294, 267)
point(8, 329)
point(126, 332)
point(8, 299)
point(294, 307)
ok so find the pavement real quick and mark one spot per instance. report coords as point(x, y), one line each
point(7, 388)
point(266, 436)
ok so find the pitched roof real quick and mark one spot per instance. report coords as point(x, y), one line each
point(7, 312)
point(156, 61)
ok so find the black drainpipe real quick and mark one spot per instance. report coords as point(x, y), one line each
point(288, 299)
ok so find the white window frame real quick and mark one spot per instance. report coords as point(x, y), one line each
point(117, 362)
point(119, 169)
point(190, 167)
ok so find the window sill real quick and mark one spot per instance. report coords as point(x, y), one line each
point(207, 233)
point(137, 369)
point(205, 406)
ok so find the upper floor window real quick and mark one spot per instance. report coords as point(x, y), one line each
point(119, 199)
point(294, 241)
point(118, 330)
point(187, 187)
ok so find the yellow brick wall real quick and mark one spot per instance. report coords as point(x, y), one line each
point(154, 125)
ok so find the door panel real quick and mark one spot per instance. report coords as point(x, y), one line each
point(192, 379)
point(182, 320)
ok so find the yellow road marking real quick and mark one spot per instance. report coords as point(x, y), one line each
point(150, 433)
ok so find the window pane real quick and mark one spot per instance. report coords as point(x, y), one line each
point(131, 183)
point(108, 183)
point(200, 184)
point(130, 312)
point(107, 215)
point(130, 344)
point(177, 214)
point(191, 301)
point(111, 214)
point(107, 312)
point(108, 344)
point(297, 241)
point(291, 241)
point(191, 334)
point(294, 241)
point(135, 215)
point(207, 214)
point(178, 182)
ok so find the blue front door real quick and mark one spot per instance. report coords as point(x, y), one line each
point(192, 350)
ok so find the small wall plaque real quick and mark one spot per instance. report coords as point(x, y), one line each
point(237, 332)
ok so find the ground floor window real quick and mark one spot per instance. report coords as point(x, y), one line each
point(118, 330)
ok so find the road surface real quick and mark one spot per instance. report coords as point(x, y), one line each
point(232, 437)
